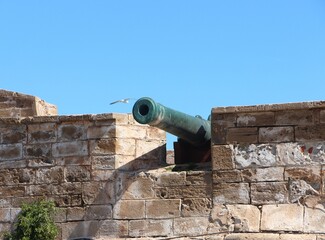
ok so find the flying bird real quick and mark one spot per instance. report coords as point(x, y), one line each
point(124, 100)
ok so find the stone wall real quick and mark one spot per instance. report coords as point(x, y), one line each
point(13, 104)
point(268, 166)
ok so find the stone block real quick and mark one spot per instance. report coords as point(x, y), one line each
point(165, 179)
point(298, 237)
point(201, 178)
point(310, 174)
point(255, 119)
point(276, 134)
point(113, 228)
point(99, 132)
point(244, 218)
point(310, 133)
point(322, 116)
point(98, 193)
point(5, 215)
point(80, 229)
point(61, 215)
point(151, 149)
point(71, 132)
point(42, 133)
point(219, 125)
point(98, 212)
point(163, 208)
point(155, 133)
point(75, 214)
point(131, 131)
point(150, 228)
point(191, 226)
point(222, 157)
point(294, 117)
point(102, 175)
point(314, 220)
point(242, 135)
point(112, 146)
point(103, 162)
point(196, 207)
point(173, 192)
point(74, 160)
point(11, 151)
point(12, 191)
point(134, 186)
point(231, 193)
point(252, 155)
point(129, 209)
point(50, 175)
point(282, 217)
point(224, 176)
point(66, 149)
point(77, 173)
point(252, 236)
point(263, 174)
point(13, 164)
point(269, 192)
point(13, 134)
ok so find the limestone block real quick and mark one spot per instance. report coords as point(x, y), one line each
point(41, 133)
point(192, 207)
point(298, 237)
point(169, 178)
point(310, 174)
point(176, 192)
point(296, 117)
point(67, 188)
point(131, 131)
point(276, 134)
point(198, 177)
point(255, 119)
point(103, 162)
point(103, 175)
point(222, 157)
point(231, 193)
point(282, 217)
point(71, 132)
point(242, 135)
point(11, 151)
point(129, 209)
point(98, 193)
point(155, 133)
point(310, 133)
point(252, 155)
point(322, 116)
point(39, 151)
point(263, 174)
point(5, 215)
point(191, 226)
point(219, 126)
point(98, 212)
point(65, 149)
point(245, 218)
point(134, 186)
point(50, 175)
point(151, 149)
point(13, 134)
point(12, 191)
point(252, 236)
point(269, 192)
point(77, 173)
point(75, 214)
point(163, 208)
point(99, 132)
point(112, 146)
point(314, 220)
point(60, 215)
point(222, 176)
point(75, 160)
point(150, 228)
point(113, 228)
point(13, 164)
point(80, 229)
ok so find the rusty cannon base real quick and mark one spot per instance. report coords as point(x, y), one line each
point(194, 133)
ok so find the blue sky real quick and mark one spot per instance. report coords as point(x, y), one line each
point(188, 55)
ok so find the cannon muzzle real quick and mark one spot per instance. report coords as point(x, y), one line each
point(193, 130)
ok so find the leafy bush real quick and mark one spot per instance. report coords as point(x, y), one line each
point(35, 222)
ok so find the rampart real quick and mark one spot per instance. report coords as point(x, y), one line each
point(109, 178)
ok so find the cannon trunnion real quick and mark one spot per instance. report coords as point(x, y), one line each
point(194, 133)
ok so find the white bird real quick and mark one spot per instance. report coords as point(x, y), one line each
point(124, 100)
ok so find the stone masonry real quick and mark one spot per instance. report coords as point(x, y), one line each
point(109, 178)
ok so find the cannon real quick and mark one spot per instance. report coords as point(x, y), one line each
point(194, 133)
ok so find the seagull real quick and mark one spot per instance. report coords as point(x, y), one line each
point(124, 100)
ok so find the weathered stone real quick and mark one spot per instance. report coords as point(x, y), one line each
point(5, 215)
point(150, 228)
point(269, 192)
point(310, 133)
point(161, 208)
point(103, 162)
point(13, 134)
point(129, 209)
point(67, 188)
point(80, 229)
point(74, 160)
point(12, 191)
point(276, 134)
point(263, 174)
point(302, 117)
point(183, 192)
point(50, 175)
point(75, 214)
point(98, 193)
point(169, 178)
point(10, 152)
point(252, 236)
point(98, 212)
point(60, 215)
point(99, 132)
point(113, 228)
point(229, 176)
point(298, 237)
point(255, 119)
point(261, 155)
point(13, 164)
point(65, 149)
point(131, 131)
point(242, 135)
point(198, 177)
point(43, 151)
point(155, 133)
point(222, 157)
point(282, 217)
point(77, 173)
point(134, 186)
point(102, 175)
point(231, 193)
point(314, 220)
point(219, 125)
point(196, 207)
point(151, 149)
point(41, 133)
point(322, 116)
point(112, 146)
point(68, 132)
point(191, 226)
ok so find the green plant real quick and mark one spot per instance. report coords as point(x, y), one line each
point(35, 222)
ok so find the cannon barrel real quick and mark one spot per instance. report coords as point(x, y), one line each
point(193, 130)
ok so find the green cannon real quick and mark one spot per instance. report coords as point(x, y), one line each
point(194, 133)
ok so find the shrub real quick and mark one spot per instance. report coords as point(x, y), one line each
point(35, 222)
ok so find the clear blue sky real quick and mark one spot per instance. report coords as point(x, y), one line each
point(188, 55)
